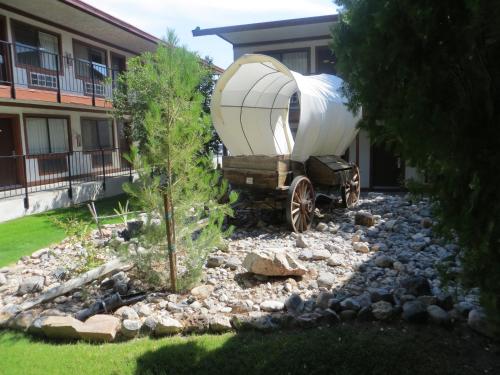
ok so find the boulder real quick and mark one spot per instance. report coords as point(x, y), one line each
point(202, 291)
point(382, 310)
point(37, 254)
point(126, 312)
point(277, 263)
point(31, 284)
point(438, 315)
point(326, 279)
point(415, 311)
point(361, 247)
point(100, 328)
point(300, 242)
point(323, 300)
point(167, 326)
point(272, 306)
point(364, 218)
point(7, 313)
point(350, 304)
point(22, 321)
point(219, 324)
point(61, 327)
point(215, 261)
point(131, 328)
point(335, 260)
point(478, 321)
point(321, 227)
point(417, 286)
point(294, 304)
point(232, 263)
point(320, 254)
point(383, 261)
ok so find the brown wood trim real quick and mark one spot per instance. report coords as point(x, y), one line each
point(59, 47)
point(278, 41)
point(55, 107)
point(47, 116)
point(18, 145)
point(65, 28)
point(290, 50)
point(110, 119)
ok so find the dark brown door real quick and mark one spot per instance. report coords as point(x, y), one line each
point(8, 170)
point(387, 168)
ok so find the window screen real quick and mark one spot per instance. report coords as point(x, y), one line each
point(97, 134)
point(47, 135)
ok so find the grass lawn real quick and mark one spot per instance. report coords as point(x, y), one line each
point(353, 349)
point(25, 235)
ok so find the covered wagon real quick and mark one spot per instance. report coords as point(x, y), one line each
point(285, 134)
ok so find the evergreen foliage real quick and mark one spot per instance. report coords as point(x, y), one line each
point(160, 93)
point(427, 75)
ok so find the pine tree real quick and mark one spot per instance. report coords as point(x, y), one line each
point(160, 94)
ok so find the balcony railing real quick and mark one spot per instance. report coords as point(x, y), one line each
point(66, 78)
point(22, 175)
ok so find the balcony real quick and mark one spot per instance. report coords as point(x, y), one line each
point(29, 73)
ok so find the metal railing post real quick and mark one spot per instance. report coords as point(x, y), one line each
point(70, 189)
point(26, 198)
point(103, 170)
point(10, 55)
point(58, 79)
point(93, 82)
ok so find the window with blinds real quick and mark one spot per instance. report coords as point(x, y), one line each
point(48, 140)
point(297, 60)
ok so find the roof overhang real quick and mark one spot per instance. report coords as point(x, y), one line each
point(310, 28)
point(81, 19)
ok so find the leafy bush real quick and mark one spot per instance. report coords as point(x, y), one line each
point(427, 75)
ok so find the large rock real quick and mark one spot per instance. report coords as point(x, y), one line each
point(202, 291)
point(7, 313)
point(415, 311)
point(220, 323)
point(478, 321)
point(131, 328)
point(31, 284)
point(126, 312)
point(417, 286)
point(272, 306)
point(100, 328)
point(382, 310)
point(167, 326)
point(383, 261)
point(361, 247)
point(294, 304)
point(364, 218)
point(326, 279)
point(320, 254)
point(271, 263)
point(438, 315)
point(61, 327)
point(22, 321)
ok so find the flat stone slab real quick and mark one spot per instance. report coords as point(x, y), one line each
point(100, 328)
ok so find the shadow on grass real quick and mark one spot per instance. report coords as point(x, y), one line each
point(354, 349)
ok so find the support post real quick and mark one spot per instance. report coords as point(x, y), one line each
point(103, 170)
point(26, 198)
point(93, 82)
point(70, 189)
point(58, 80)
point(10, 60)
point(170, 226)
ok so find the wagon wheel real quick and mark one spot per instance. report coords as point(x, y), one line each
point(300, 204)
point(351, 188)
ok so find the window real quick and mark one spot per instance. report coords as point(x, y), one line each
point(46, 136)
point(298, 61)
point(34, 47)
point(325, 60)
point(97, 134)
point(88, 60)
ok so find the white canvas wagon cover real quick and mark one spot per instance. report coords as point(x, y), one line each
point(250, 108)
